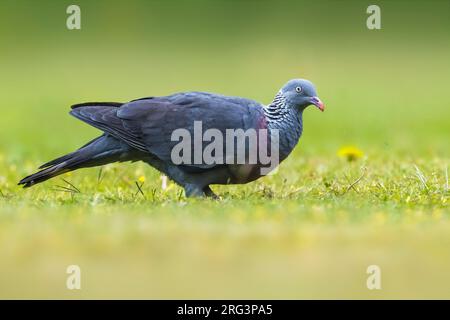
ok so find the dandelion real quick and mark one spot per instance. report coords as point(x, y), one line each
point(350, 153)
point(141, 179)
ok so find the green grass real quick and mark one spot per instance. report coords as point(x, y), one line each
point(300, 233)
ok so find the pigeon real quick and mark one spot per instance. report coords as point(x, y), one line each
point(143, 130)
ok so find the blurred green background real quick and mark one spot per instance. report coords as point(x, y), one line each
point(386, 92)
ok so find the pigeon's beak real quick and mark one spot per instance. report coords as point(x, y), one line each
point(318, 103)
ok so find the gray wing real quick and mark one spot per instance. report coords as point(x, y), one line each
point(104, 117)
point(147, 124)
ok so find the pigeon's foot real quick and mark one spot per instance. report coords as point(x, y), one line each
point(209, 193)
point(194, 191)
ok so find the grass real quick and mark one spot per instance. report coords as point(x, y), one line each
point(309, 231)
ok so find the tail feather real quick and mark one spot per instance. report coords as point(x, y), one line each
point(56, 161)
point(100, 151)
point(56, 167)
point(68, 156)
point(43, 175)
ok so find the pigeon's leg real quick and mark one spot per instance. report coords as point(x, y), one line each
point(209, 193)
point(193, 190)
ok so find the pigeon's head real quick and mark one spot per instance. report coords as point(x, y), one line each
point(300, 93)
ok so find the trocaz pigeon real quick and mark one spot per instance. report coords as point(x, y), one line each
point(144, 130)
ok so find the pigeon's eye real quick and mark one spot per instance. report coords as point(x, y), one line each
point(298, 89)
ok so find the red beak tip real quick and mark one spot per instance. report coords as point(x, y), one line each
point(318, 103)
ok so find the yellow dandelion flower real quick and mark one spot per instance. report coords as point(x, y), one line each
point(350, 153)
point(141, 179)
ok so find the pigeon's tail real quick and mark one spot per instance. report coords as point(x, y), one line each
point(102, 150)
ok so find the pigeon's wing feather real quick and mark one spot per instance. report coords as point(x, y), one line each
point(147, 124)
point(105, 118)
point(154, 120)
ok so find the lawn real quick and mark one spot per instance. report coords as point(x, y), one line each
point(309, 231)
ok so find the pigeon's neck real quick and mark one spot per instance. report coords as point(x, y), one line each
point(277, 110)
point(287, 120)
